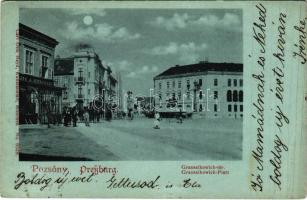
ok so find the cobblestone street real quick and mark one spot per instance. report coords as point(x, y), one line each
point(135, 140)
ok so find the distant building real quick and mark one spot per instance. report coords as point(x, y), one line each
point(119, 91)
point(64, 77)
point(111, 86)
point(210, 89)
point(38, 95)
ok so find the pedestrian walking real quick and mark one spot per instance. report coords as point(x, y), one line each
point(130, 105)
point(108, 112)
point(86, 118)
point(74, 117)
point(97, 113)
point(157, 121)
point(68, 115)
point(65, 116)
point(49, 118)
point(80, 115)
point(180, 117)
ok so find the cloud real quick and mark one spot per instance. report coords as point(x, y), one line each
point(174, 48)
point(148, 69)
point(181, 21)
point(228, 20)
point(122, 65)
point(186, 52)
point(142, 71)
point(103, 32)
point(177, 21)
point(128, 68)
point(93, 11)
point(131, 75)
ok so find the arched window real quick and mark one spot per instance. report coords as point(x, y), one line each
point(241, 96)
point(229, 96)
point(235, 96)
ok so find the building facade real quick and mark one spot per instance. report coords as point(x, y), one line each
point(64, 77)
point(38, 96)
point(88, 77)
point(119, 91)
point(209, 89)
point(86, 80)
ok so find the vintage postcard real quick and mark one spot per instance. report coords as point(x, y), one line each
point(153, 99)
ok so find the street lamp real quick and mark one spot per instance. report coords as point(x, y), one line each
point(197, 86)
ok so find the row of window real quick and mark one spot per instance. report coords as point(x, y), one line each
point(234, 96)
point(234, 108)
point(44, 71)
point(80, 72)
point(231, 108)
point(80, 91)
point(188, 95)
point(235, 82)
point(198, 83)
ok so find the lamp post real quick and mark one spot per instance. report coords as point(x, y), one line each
point(197, 86)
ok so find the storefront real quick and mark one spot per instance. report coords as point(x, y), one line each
point(38, 100)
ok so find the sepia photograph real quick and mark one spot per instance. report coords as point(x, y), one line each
point(130, 84)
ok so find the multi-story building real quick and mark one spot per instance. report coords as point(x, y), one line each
point(119, 91)
point(88, 77)
point(210, 89)
point(38, 96)
point(110, 88)
point(86, 80)
point(64, 77)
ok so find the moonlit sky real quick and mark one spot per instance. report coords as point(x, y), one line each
point(142, 43)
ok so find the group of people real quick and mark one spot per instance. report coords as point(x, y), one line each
point(86, 115)
point(73, 115)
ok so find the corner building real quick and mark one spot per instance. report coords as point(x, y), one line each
point(85, 80)
point(38, 95)
point(213, 90)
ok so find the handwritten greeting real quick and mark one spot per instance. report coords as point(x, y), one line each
point(43, 180)
point(268, 158)
point(259, 30)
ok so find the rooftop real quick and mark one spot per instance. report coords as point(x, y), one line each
point(64, 66)
point(202, 67)
point(33, 34)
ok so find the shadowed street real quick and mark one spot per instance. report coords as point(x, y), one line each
point(135, 140)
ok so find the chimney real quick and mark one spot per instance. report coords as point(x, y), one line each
point(206, 60)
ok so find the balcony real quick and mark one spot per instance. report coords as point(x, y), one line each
point(79, 80)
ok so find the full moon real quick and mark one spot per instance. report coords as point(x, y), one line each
point(88, 20)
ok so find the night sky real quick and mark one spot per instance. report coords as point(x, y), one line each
point(141, 43)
